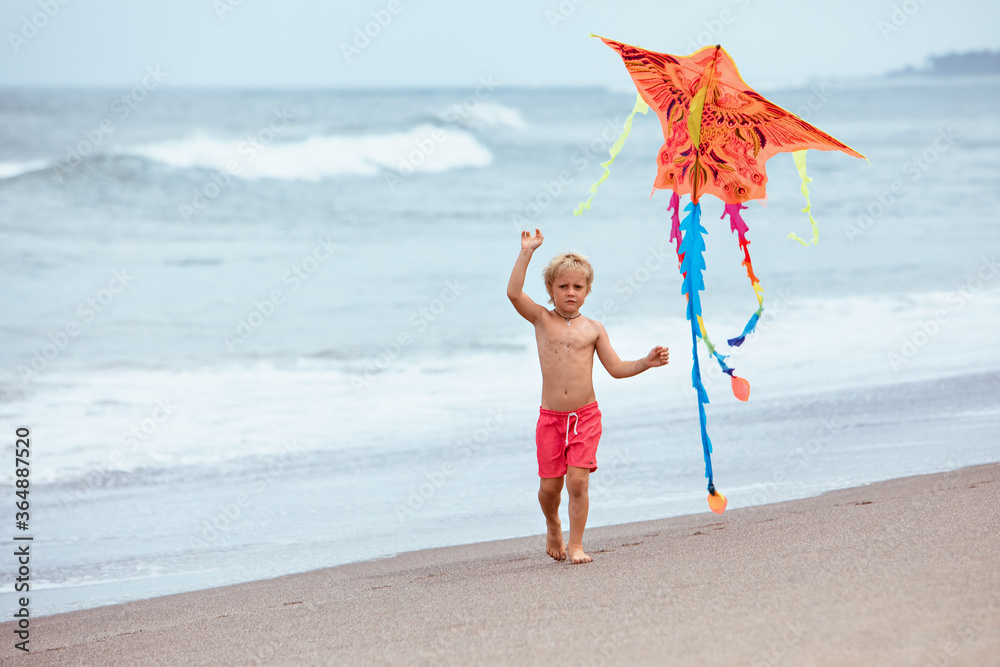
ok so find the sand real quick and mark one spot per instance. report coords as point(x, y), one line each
point(902, 572)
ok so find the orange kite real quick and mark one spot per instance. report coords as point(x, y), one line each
point(718, 133)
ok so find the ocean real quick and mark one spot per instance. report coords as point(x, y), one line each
point(262, 332)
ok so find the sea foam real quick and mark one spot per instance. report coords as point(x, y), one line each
point(19, 168)
point(424, 148)
point(484, 115)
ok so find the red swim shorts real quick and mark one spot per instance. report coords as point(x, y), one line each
point(567, 439)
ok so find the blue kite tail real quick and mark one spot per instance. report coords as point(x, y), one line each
point(692, 248)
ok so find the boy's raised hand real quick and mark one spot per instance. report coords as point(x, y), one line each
point(529, 241)
point(658, 356)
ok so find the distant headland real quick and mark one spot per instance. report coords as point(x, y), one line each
point(956, 64)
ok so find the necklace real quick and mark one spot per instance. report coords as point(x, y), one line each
point(568, 323)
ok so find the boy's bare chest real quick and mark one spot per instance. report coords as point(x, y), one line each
point(555, 337)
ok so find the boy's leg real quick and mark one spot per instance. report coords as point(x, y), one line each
point(578, 484)
point(549, 493)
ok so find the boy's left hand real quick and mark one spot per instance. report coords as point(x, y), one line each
point(658, 356)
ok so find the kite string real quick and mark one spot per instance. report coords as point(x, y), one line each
point(640, 107)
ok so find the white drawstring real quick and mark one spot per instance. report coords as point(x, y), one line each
point(572, 414)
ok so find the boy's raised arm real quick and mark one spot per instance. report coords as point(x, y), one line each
point(528, 309)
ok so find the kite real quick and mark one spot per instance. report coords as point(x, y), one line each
point(718, 133)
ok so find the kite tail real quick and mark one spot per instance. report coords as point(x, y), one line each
point(741, 388)
point(682, 250)
point(640, 107)
point(685, 245)
point(737, 224)
point(692, 267)
point(800, 165)
point(675, 223)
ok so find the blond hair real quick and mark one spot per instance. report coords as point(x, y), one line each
point(568, 261)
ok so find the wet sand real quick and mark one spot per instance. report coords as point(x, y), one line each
point(902, 572)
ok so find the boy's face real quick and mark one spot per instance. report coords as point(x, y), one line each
point(569, 290)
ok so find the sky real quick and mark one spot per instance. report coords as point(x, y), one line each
point(452, 43)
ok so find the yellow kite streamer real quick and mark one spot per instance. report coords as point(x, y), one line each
point(640, 107)
point(800, 165)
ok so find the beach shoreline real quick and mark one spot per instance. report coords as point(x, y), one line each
point(905, 571)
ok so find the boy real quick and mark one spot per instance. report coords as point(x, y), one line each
point(569, 423)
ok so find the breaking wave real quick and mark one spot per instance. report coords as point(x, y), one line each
point(425, 148)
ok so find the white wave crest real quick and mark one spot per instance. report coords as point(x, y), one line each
point(15, 169)
point(484, 115)
point(422, 149)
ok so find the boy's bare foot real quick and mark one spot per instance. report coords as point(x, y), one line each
point(554, 542)
point(576, 556)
